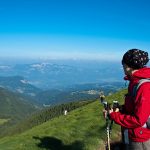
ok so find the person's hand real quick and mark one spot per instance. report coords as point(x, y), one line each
point(117, 110)
point(114, 110)
point(105, 112)
point(110, 111)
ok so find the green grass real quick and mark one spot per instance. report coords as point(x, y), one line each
point(81, 129)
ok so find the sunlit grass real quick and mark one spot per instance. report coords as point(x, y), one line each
point(82, 129)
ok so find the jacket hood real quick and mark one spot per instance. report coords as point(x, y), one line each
point(142, 73)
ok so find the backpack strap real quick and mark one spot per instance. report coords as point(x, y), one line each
point(135, 88)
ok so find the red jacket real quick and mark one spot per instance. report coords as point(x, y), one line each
point(136, 109)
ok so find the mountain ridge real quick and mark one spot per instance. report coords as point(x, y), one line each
point(41, 97)
point(18, 84)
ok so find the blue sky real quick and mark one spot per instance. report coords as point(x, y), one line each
point(76, 29)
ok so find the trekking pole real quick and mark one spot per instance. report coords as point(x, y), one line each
point(108, 124)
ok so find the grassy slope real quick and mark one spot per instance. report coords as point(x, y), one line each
point(83, 128)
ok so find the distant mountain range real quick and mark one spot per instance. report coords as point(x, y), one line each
point(49, 97)
point(56, 76)
point(19, 85)
point(78, 92)
point(50, 83)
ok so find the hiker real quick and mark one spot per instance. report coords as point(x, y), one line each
point(65, 112)
point(102, 97)
point(136, 111)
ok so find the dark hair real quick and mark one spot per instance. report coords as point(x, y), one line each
point(135, 58)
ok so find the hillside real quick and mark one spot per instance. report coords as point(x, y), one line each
point(12, 104)
point(78, 92)
point(13, 108)
point(81, 129)
point(44, 115)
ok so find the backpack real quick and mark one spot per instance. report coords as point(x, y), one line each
point(135, 88)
